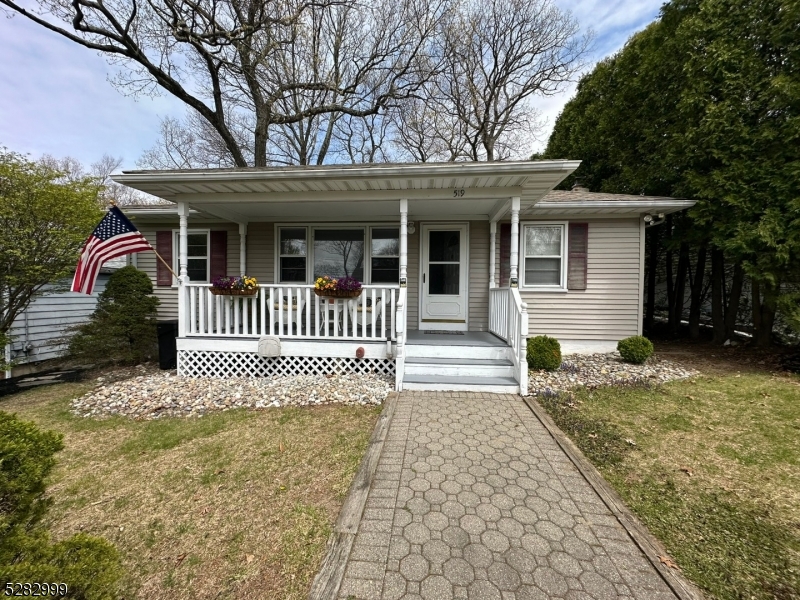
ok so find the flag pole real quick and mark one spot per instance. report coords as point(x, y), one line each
point(165, 262)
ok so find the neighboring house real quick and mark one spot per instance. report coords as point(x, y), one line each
point(461, 263)
point(39, 332)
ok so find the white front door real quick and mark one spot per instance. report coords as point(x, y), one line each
point(443, 297)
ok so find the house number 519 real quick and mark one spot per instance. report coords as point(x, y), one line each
point(458, 193)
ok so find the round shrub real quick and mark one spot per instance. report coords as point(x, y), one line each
point(635, 349)
point(544, 353)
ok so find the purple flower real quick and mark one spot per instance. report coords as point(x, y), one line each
point(224, 283)
point(348, 284)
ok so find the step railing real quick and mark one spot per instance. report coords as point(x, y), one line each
point(508, 320)
point(290, 311)
point(401, 321)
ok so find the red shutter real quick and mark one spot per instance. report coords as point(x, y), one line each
point(219, 254)
point(164, 248)
point(505, 253)
point(578, 252)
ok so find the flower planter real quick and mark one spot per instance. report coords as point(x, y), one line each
point(219, 292)
point(337, 293)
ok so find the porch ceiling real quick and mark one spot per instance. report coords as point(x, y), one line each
point(453, 190)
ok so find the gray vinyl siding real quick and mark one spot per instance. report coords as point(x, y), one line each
point(609, 308)
point(146, 261)
point(478, 275)
point(49, 319)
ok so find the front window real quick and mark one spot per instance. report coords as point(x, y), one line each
point(339, 253)
point(293, 251)
point(385, 255)
point(198, 256)
point(543, 252)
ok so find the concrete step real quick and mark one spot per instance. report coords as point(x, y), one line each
point(445, 383)
point(459, 367)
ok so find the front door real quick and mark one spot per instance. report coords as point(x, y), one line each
point(443, 297)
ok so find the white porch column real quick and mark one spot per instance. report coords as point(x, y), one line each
point(242, 249)
point(492, 242)
point(403, 242)
point(514, 277)
point(183, 261)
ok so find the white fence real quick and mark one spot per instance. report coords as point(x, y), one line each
point(291, 311)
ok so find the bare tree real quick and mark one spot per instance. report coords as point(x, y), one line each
point(72, 171)
point(214, 56)
point(500, 54)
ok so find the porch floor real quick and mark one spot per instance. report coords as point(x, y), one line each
point(468, 338)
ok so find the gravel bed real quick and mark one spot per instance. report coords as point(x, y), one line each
point(154, 395)
point(591, 371)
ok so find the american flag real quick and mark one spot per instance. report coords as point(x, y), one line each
point(114, 236)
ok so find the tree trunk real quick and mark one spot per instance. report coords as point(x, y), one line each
point(734, 298)
point(767, 310)
point(669, 273)
point(676, 310)
point(652, 265)
point(755, 304)
point(697, 294)
point(718, 295)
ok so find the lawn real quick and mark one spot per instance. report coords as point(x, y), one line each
point(712, 468)
point(237, 504)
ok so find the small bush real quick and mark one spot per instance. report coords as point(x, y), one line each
point(122, 328)
point(635, 349)
point(544, 353)
point(89, 566)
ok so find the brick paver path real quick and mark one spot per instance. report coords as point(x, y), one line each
point(472, 498)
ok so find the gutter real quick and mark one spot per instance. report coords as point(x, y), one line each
point(410, 170)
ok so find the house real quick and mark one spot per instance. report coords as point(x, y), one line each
point(461, 262)
point(39, 333)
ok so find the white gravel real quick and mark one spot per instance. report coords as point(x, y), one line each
point(162, 394)
point(595, 370)
point(153, 394)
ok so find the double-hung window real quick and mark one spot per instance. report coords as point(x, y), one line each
point(292, 254)
point(385, 255)
point(198, 254)
point(543, 255)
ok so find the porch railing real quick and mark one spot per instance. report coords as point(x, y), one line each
point(508, 320)
point(291, 311)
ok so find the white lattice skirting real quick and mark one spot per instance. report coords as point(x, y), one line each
point(202, 363)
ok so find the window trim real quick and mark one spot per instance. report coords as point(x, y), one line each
point(562, 286)
point(176, 253)
point(310, 228)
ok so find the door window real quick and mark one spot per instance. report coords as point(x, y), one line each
point(444, 269)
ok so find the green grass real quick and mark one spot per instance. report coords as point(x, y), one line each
point(230, 505)
point(711, 466)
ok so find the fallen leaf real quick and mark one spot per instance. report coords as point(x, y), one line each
point(280, 446)
point(668, 562)
point(220, 472)
point(630, 442)
point(180, 559)
point(250, 558)
point(592, 436)
point(687, 470)
point(690, 397)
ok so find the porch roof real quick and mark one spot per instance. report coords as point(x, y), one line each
point(454, 190)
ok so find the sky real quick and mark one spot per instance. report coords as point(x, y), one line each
point(56, 97)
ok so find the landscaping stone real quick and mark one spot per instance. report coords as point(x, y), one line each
point(152, 395)
point(592, 371)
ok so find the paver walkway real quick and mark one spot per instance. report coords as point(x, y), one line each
point(472, 498)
